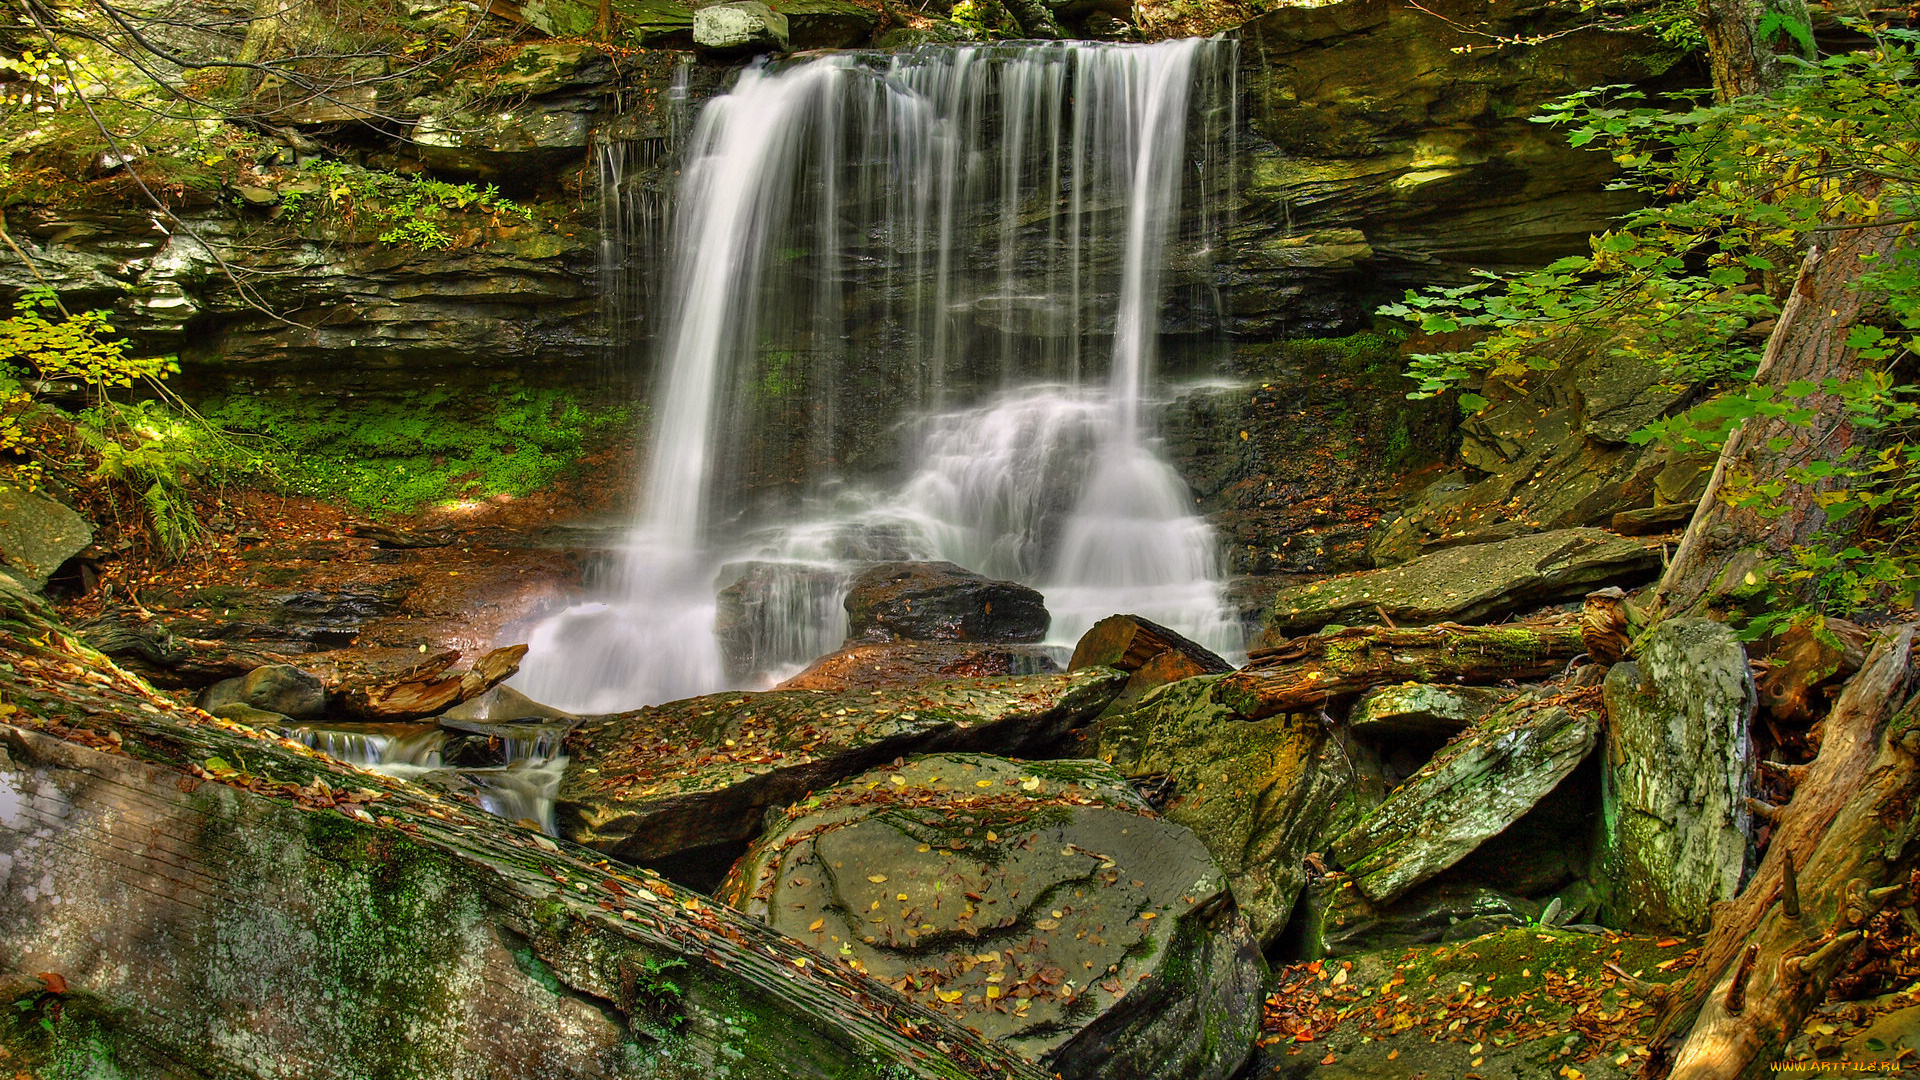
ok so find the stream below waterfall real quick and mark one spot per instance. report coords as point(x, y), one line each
point(912, 310)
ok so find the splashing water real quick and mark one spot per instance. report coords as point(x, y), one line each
point(971, 197)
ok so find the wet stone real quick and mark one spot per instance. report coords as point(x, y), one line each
point(670, 779)
point(1028, 900)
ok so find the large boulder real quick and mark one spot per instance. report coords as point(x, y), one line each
point(778, 613)
point(1676, 835)
point(826, 24)
point(1256, 792)
point(38, 534)
point(276, 688)
point(938, 601)
point(691, 779)
point(1040, 903)
point(1472, 790)
point(1469, 584)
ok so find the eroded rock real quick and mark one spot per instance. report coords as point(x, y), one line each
point(698, 774)
point(1423, 710)
point(38, 534)
point(1040, 903)
point(1256, 792)
point(1472, 790)
point(1470, 584)
point(1676, 834)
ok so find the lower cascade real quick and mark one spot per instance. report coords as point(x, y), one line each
point(913, 311)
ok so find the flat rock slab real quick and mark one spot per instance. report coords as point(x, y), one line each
point(1676, 835)
point(1256, 792)
point(38, 534)
point(1042, 904)
point(674, 778)
point(914, 663)
point(1475, 583)
point(1423, 710)
point(1474, 788)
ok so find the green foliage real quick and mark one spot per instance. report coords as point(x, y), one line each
point(401, 455)
point(44, 349)
point(1736, 191)
point(408, 209)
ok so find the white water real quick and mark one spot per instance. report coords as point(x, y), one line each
point(1058, 485)
point(523, 789)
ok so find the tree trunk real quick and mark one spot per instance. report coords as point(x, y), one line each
point(1744, 60)
point(1848, 834)
point(1724, 544)
point(1307, 672)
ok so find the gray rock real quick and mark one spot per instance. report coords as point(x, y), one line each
point(1337, 919)
point(1469, 584)
point(242, 713)
point(938, 601)
point(1256, 792)
point(503, 703)
point(766, 619)
point(279, 688)
point(826, 24)
point(1423, 710)
point(38, 534)
point(669, 781)
point(739, 26)
point(1472, 790)
point(1676, 834)
point(1040, 903)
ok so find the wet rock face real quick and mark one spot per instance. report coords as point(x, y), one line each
point(1040, 903)
point(664, 781)
point(938, 601)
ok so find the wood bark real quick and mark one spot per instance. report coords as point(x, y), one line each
point(1848, 832)
point(1129, 642)
point(1308, 672)
point(1744, 60)
point(1724, 542)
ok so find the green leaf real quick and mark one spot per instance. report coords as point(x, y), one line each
point(1473, 403)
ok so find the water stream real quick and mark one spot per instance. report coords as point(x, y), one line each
point(513, 771)
point(913, 310)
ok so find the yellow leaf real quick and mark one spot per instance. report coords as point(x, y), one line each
point(816, 924)
point(948, 996)
point(877, 879)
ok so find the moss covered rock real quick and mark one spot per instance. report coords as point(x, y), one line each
point(1675, 836)
point(1256, 792)
point(1041, 903)
point(678, 778)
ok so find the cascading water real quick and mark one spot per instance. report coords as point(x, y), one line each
point(862, 241)
point(520, 784)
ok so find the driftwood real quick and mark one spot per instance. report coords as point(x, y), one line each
point(148, 648)
point(388, 537)
point(1840, 852)
point(1130, 643)
point(431, 690)
point(1306, 673)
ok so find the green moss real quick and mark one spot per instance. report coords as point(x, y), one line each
point(399, 455)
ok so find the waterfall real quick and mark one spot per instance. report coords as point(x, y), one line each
point(951, 243)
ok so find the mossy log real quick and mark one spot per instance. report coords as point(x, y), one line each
point(1306, 673)
point(1840, 852)
point(233, 902)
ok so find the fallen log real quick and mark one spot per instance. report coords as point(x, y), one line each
point(1837, 853)
point(1307, 673)
point(227, 897)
